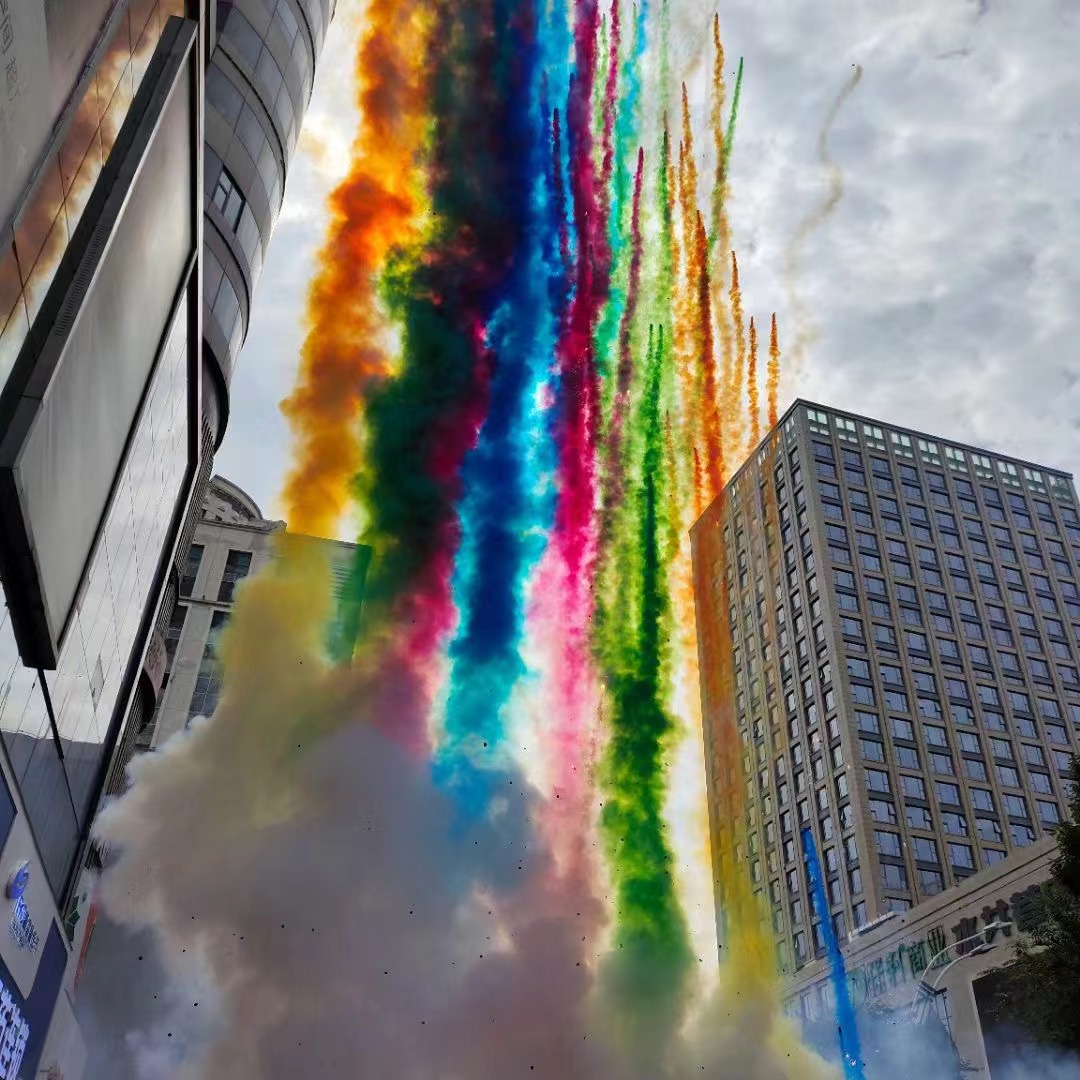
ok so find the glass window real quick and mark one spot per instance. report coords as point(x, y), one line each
point(204, 699)
point(912, 785)
point(237, 566)
point(918, 817)
point(893, 877)
point(876, 780)
point(931, 882)
point(191, 569)
point(888, 843)
point(947, 793)
point(960, 855)
point(883, 811)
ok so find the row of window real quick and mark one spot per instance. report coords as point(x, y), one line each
point(237, 567)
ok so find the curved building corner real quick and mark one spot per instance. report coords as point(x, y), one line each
point(258, 85)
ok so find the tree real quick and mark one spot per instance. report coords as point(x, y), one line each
point(1040, 991)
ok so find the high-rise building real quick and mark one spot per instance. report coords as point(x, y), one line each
point(231, 541)
point(899, 618)
point(101, 158)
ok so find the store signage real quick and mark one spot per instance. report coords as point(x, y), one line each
point(23, 931)
point(14, 1034)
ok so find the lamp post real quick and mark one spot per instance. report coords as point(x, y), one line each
point(925, 992)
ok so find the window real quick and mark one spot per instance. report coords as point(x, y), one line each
point(902, 729)
point(863, 695)
point(883, 811)
point(947, 793)
point(925, 849)
point(208, 681)
point(878, 781)
point(918, 817)
point(872, 750)
point(173, 632)
point(935, 736)
point(1015, 806)
point(988, 829)
point(191, 569)
point(237, 566)
point(888, 843)
point(960, 855)
point(893, 877)
point(868, 723)
point(1022, 835)
point(859, 669)
point(229, 199)
point(1048, 812)
point(907, 757)
point(1008, 776)
point(982, 799)
point(931, 882)
point(912, 785)
point(954, 824)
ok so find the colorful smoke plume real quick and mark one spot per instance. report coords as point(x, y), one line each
point(528, 372)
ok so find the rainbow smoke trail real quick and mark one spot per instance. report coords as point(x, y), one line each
point(526, 373)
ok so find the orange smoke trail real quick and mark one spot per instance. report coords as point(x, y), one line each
point(688, 325)
point(710, 421)
point(375, 209)
point(752, 389)
point(721, 229)
point(773, 384)
point(735, 299)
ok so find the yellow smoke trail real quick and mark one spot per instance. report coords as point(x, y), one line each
point(805, 332)
point(375, 209)
point(773, 385)
point(752, 390)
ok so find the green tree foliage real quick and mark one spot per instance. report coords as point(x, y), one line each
point(1040, 990)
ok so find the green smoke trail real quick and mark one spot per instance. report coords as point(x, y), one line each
point(729, 138)
point(652, 956)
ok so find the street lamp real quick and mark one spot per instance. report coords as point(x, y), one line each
point(929, 992)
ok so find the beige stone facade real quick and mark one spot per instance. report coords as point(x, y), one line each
point(231, 541)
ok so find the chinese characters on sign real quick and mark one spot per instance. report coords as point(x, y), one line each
point(908, 961)
point(23, 930)
point(14, 1033)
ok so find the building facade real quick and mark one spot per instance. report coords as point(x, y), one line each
point(231, 541)
point(101, 161)
point(903, 616)
point(258, 84)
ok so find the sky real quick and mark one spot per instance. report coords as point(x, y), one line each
point(939, 293)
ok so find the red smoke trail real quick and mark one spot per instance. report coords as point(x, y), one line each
point(564, 589)
point(611, 92)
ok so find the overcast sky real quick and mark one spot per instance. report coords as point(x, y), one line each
point(942, 293)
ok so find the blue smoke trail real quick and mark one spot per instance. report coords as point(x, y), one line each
point(507, 506)
point(850, 1050)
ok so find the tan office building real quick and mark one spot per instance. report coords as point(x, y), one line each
point(903, 617)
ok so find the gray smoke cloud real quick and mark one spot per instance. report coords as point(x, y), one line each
point(333, 913)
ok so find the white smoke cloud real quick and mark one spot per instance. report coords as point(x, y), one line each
point(334, 914)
